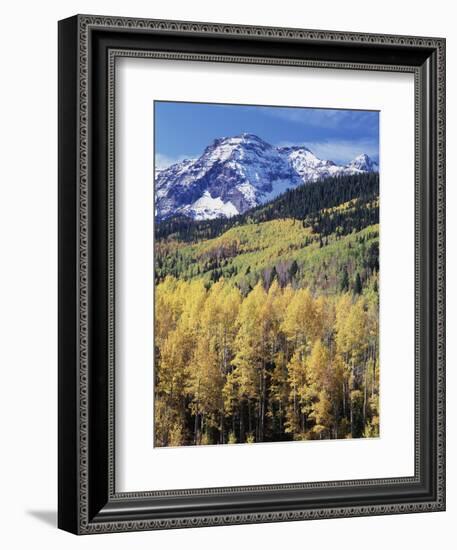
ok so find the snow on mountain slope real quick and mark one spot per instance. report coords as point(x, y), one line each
point(363, 163)
point(237, 173)
point(308, 166)
point(208, 208)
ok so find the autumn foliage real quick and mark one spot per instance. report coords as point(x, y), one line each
point(266, 324)
point(277, 364)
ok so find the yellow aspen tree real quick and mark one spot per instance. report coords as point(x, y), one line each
point(299, 394)
point(249, 360)
point(352, 345)
point(299, 323)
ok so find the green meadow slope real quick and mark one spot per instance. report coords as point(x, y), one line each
point(279, 248)
point(316, 252)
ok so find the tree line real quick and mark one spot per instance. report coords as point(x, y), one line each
point(298, 203)
point(342, 222)
point(278, 364)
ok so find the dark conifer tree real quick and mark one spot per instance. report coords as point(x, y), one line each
point(358, 284)
point(344, 285)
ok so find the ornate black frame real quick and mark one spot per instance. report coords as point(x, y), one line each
point(88, 47)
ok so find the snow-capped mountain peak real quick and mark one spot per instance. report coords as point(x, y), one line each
point(363, 163)
point(308, 166)
point(240, 172)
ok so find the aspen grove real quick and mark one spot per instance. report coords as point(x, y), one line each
point(276, 365)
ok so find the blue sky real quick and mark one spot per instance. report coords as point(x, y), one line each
point(183, 130)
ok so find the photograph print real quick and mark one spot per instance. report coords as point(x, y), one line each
point(266, 255)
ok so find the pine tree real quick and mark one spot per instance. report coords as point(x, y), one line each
point(344, 284)
point(293, 270)
point(357, 284)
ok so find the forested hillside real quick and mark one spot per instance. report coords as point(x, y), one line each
point(267, 323)
point(296, 203)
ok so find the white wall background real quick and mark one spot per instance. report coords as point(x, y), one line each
point(28, 289)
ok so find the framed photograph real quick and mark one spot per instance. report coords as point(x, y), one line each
point(251, 274)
